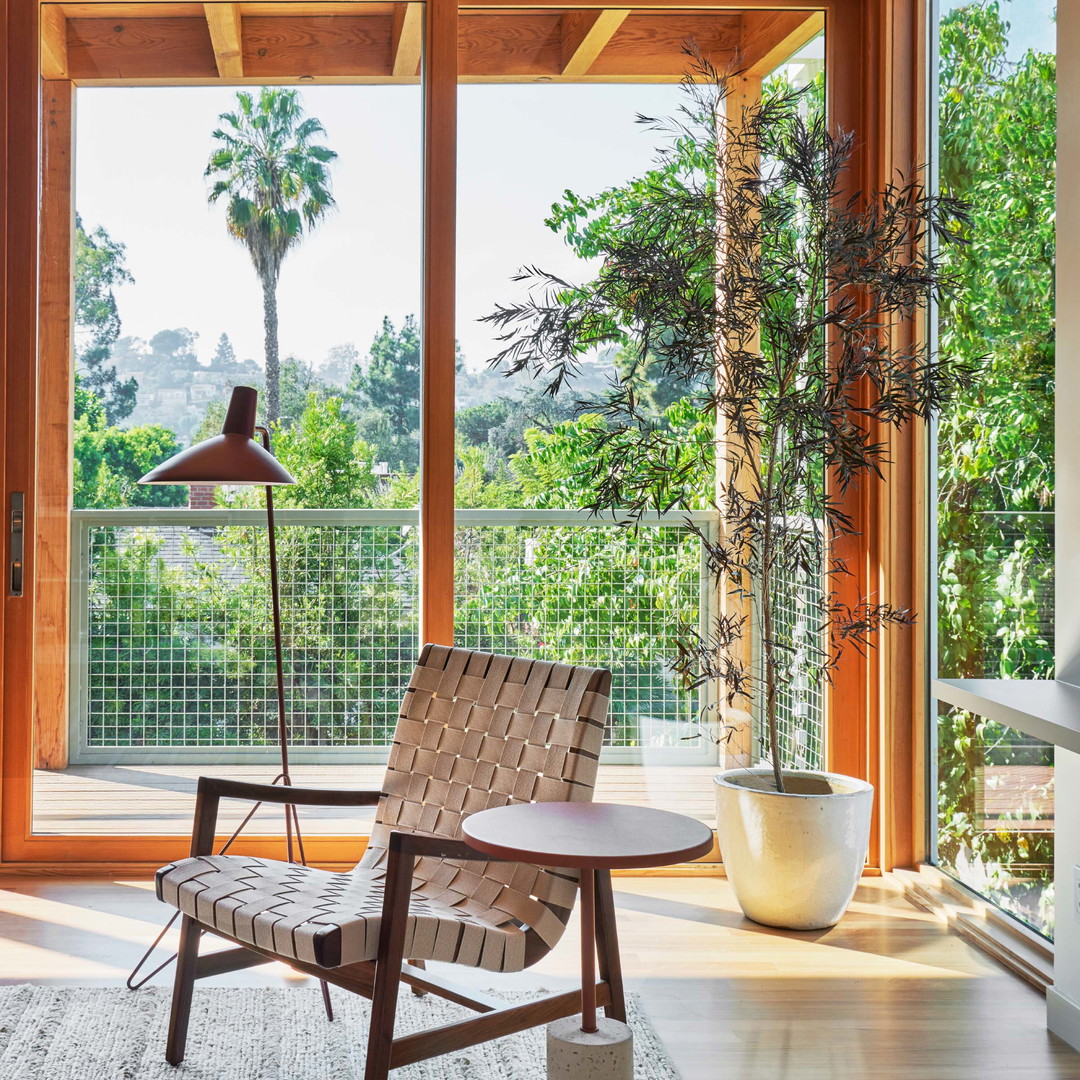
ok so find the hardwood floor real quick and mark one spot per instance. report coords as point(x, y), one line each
point(147, 800)
point(889, 993)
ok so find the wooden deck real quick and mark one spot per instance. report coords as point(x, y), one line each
point(148, 800)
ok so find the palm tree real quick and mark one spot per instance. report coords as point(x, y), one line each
point(277, 181)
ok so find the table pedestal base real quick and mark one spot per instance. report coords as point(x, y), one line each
point(604, 1054)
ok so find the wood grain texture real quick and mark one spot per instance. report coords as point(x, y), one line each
point(888, 993)
point(339, 41)
point(133, 800)
point(406, 39)
point(226, 36)
point(654, 44)
point(527, 44)
point(768, 38)
point(53, 43)
point(9, 35)
point(133, 48)
point(309, 45)
point(438, 327)
point(902, 523)
point(731, 597)
point(852, 95)
point(21, 102)
point(584, 36)
point(54, 460)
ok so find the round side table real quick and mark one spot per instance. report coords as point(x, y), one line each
point(588, 837)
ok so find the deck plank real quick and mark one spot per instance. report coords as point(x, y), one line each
point(149, 800)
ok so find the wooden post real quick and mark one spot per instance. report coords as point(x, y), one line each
point(737, 751)
point(439, 347)
point(20, 100)
point(54, 464)
point(901, 524)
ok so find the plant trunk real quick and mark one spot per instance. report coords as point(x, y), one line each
point(272, 405)
point(770, 666)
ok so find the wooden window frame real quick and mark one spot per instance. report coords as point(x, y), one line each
point(875, 62)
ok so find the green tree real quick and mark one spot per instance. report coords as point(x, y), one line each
point(224, 358)
point(332, 466)
point(384, 394)
point(109, 460)
point(996, 443)
point(99, 268)
point(337, 367)
point(299, 381)
point(276, 182)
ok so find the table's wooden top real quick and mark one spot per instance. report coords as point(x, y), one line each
point(598, 836)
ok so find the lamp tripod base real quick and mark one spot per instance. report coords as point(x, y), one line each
point(292, 827)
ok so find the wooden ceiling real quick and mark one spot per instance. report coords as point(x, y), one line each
point(96, 44)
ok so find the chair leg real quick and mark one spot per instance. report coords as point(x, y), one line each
point(384, 992)
point(187, 959)
point(419, 991)
point(607, 946)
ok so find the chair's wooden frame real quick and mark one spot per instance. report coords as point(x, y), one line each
point(379, 979)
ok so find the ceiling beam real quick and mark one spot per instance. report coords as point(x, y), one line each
point(771, 37)
point(54, 58)
point(225, 34)
point(584, 35)
point(406, 39)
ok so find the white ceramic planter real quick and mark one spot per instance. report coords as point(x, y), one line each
point(794, 859)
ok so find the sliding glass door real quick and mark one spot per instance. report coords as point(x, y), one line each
point(996, 96)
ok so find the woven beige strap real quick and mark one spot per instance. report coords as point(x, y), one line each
point(479, 730)
point(476, 730)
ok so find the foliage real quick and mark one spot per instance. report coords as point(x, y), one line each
point(384, 394)
point(99, 268)
point(330, 463)
point(743, 325)
point(110, 460)
point(337, 367)
point(996, 442)
point(275, 179)
point(224, 358)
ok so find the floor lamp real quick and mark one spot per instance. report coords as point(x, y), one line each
point(235, 458)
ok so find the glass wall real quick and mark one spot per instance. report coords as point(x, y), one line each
point(178, 300)
point(262, 236)
point(995, 446)
point(536, 574)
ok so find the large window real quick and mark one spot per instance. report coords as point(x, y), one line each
point(995, 446)
point(148, 630)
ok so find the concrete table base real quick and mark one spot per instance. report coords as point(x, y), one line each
point(604, 1054)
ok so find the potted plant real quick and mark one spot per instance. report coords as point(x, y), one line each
point(742, 270)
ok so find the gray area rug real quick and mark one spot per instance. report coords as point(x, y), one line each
point(255, 1034)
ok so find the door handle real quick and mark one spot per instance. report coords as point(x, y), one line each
point(18, 532)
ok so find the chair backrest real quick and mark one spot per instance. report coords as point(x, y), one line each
point(479, 730)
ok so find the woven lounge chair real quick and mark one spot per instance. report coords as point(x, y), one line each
point(476, 730)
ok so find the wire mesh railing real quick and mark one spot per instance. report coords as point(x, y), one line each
point(544, 585)
point(172, 652)
point(800, 697)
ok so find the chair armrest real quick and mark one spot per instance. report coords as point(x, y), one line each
point(212, 789)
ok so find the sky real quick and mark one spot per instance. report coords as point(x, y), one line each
point(141, 153)
point(1032, 23)
point(140, 157)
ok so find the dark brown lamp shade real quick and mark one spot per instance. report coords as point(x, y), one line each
point(233, 457)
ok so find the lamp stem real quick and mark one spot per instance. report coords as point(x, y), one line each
point(279, 659)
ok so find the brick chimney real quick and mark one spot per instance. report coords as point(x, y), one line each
point(201, 497)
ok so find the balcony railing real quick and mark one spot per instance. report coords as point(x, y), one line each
point(172, 656)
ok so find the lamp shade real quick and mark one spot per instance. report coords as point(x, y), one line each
point(233, 457)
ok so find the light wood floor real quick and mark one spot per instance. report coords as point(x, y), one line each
point(134, 800)
point(889, 993)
